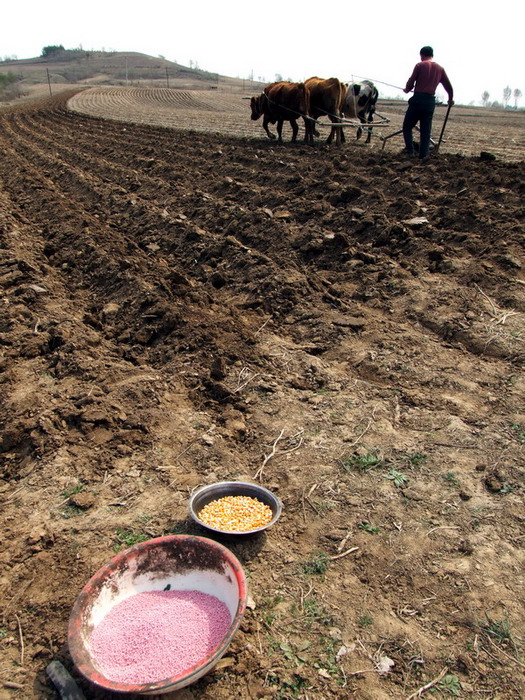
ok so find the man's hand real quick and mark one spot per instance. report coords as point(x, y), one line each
point(450, 103)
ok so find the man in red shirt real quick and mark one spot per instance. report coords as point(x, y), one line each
point(424, 80)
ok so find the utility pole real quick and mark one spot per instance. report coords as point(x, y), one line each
point(49, 82)
point(167, 78)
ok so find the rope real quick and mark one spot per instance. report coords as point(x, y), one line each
point(381, 82)
point(289, 109)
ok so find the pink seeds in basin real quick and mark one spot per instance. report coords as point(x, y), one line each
point(158, 634)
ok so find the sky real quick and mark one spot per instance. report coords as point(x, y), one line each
point(479, 44)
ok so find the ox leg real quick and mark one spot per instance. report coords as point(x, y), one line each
point(340, 135)
point(309, 130)
point(359, 129)
point(280, 123)
point(370, 120)
point(336, 131)
point(295, 129)
point(265, 127)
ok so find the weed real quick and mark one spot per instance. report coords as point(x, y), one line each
point(362, 463)
point(325, 506)
point(144, 518)
point(275, 600)
point(397, 478)
point(289, 653)
point(127, 538)
point(324, 392)
point(520, 432)
point(365, 621)
point(294, 653)
point(499, 629)
point(268, 615)
point(328, 661)
point(72, 490)
point(416, 459)
point(290, 688)
point(314, 612)
point(71, 512)
point(451, 479)
point(368, 527)
point(450, 684)
point(3, 633)
point(318, 564)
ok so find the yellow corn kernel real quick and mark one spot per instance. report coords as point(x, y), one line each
point(236, 514)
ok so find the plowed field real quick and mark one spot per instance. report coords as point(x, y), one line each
point(344, 325)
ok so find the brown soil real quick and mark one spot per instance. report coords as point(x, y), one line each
point(180, 308)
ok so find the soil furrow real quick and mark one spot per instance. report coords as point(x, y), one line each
point(181, 308)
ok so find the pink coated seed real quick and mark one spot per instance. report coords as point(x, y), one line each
point(158, 634)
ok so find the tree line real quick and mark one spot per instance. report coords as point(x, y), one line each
point(507, 94)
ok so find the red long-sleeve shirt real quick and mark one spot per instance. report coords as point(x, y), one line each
point(426, 76)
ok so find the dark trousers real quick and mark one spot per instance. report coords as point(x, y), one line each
point(420, 109)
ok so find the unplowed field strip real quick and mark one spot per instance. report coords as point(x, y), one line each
point(468, 131)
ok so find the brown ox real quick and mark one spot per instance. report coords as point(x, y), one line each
point(326, 99)
point(360, 102)
point(281, 102)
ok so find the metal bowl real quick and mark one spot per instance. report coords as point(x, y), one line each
point(213, 492)
point(176, 562)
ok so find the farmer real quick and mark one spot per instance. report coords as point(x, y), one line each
point(425, 78)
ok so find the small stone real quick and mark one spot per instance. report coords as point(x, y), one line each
point(416, 221)
point(110, 311)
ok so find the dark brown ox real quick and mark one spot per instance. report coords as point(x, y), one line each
point(326, 100)
point(281, 102)
point(360, 103)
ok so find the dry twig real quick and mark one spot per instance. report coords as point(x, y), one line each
point(423, 688)
point(21, 640)
point(250, 379)
point(443, 527)
point(508, 656)
point(498, 315)
point(268, 457)
point(367, 428)
point(348, 551)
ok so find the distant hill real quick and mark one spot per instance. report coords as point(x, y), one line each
point(65, 68)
